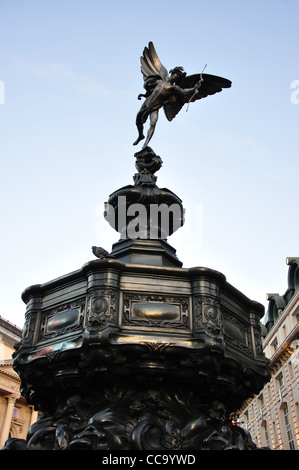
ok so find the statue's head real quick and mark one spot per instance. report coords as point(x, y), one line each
point(177, 73)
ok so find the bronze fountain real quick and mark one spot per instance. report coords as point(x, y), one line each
point(133, 351)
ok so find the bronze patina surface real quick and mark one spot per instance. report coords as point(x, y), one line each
point(134, 351)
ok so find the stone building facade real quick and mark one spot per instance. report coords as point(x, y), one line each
point(15, 415)
point(272, 417)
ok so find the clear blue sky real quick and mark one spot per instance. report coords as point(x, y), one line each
point(72, 75)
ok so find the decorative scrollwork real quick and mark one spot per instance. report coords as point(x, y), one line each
point(170, 311)
point(151, 419)
point(101, 308)
point(208, 316)
point(65, 318)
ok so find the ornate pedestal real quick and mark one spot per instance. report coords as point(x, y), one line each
point(122, 356)
point(134, 351)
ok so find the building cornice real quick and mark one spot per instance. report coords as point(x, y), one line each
point(293, 304)
point(285, 347)
point(10, 373)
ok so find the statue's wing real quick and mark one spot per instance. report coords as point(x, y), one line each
point(151, 64)
point(211, 84)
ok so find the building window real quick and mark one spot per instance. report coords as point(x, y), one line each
point(274, 345)
point(265, 434)
point(245, 420)
point(279, 386)
point(288, 427)
point(280, 381)
point(275, 435)
point(261, 401)
point(15, 412)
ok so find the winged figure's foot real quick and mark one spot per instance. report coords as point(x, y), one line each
point(139, 139)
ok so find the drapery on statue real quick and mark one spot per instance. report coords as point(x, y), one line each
point(170, 91)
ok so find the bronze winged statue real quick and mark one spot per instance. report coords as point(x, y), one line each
point(170, 90)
